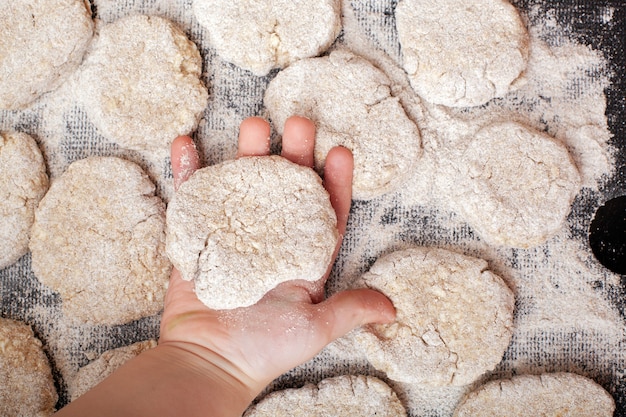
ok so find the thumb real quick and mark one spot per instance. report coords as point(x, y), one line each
point(350, 309)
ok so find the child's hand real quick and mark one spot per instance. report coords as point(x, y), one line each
point(293, 322)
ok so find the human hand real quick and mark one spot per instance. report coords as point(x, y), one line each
point(291, 323)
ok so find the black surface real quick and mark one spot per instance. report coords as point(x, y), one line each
point(607, 235)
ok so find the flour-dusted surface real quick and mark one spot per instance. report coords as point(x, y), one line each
point(570, 310)
point(352, 104)
point(550, 395)
point(515, 186)
point(27, 387)
point(261, 35)
point(95, 372)
point(454, 317)
point(99, 240)
point(240, 228)
point(41, 44)
point(342, 396)
point(461, 54)
point(140, 83)
point(23, 182)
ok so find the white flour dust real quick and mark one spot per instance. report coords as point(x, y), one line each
point(564, 319)
point(562, 95)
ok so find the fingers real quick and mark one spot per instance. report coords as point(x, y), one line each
point(299, 140)
point(350, 309)
point(299, 146)
point(185, 159)
point(254, 137)
point(338, 182)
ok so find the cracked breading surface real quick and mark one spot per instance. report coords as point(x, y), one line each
point(99, 240)
point(342, 396)
point(515, 185)
point(461, 54)
point(95, 372)
point(26, 387)
point(23, 182)
point(41, 43)
point(552, 395)
point(351, 103)
point(261, 35)
point(240, 228)
point(140, 83)
point(454, 317)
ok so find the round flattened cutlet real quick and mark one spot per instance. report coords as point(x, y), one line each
point(262, 35)
point(27, 387)
point(351, 103)
point(42, 42)
point(551, 395)
point(242, 227)
point(342, 396)
point(23, 182)
point(99, 240)
point(461, 54)
point(140, 83)
point(515, 186)
point(454, 317)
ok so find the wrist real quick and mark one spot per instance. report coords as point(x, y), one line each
point(212, 374)
point(172, 379)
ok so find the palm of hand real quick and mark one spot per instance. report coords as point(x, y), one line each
point(292, 322)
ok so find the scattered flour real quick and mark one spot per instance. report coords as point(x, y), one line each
point(564, 319)
point(562, 293)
